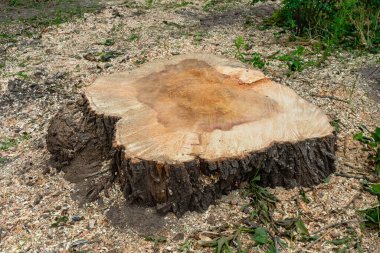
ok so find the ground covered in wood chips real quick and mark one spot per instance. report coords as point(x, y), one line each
point(44, 63)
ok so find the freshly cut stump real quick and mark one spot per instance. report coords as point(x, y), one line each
point(180, 132)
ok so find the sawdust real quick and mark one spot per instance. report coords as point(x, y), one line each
point(34, 196)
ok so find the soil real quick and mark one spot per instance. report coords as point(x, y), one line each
point(45, 68)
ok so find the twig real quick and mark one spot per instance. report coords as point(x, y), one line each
point(97, 173)
point(316, 241)
point(345, 145)
point(333, 225)
point(342, 174)
point(330, 97)
point(275, 245)
point(353, 199)
point(351, 166)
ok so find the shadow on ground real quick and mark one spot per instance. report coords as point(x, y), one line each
point(144, 221)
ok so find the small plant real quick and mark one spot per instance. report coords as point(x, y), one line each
point(262, 201)
point(133, 37)
point(156, 240)
point(254, 59)
point(304, 197)
point(22, 74)
point(59, 221)
point(198, 37)
point(150, 3)
point(372, 145)
point(8, 143)
point(372, 215)
point(107, 56)
point(335, 123)
point(109, 42)
point(186, 246)
point(294, 60)
point(349, 23)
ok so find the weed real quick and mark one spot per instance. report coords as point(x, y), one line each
point(8, 143)
point(107, 56)
point(349, 23)
point(254, 59)
point(178, 5)
point(304, 197)
point(59, 221)
point(7, 37)
point(198, 36)
point(186, 246)
point(261, 201)
point(335, 123)
point(133, 37)
point(3, 160)
point(22, 74)
point(372, 215)
point(150, 3)
point(49, 12)
point(218, 5)
point(109, 42)
point(372, 145)
point(294, 60)
point(156, 240)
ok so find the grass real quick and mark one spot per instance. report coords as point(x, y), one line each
point(219, 5)
point(343, 23)
point(42, 13)
point(8, 143)
point(371, 142)
point(133, 37)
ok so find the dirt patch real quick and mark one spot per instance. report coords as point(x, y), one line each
point(145, 221)
point(372, 74)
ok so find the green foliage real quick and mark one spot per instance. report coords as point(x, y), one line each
point(156, 240)
point(179, 4)
point(260, 236)
point(294, 60)
point(186, 246)
point(7, 143)
point(304, 197)
point(261, 201)
point(109, 42)
point(372, 145)
point(3, 160)
point(150, 3)
point(218, 5)
point(372, 215)
point(350, 23)
point(301, 228)
point(254, 59)
point(335, 123)
point(107, 56)
point(49, 12)
point(22, 74)
point(59, 221)
point(133, 37)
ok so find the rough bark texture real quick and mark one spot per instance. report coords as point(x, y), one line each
point(197, 184)
point(80, 142)
point(179, 132)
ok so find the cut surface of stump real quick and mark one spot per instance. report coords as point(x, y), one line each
point(181, 132)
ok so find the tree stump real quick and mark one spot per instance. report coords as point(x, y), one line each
point(178, 133)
